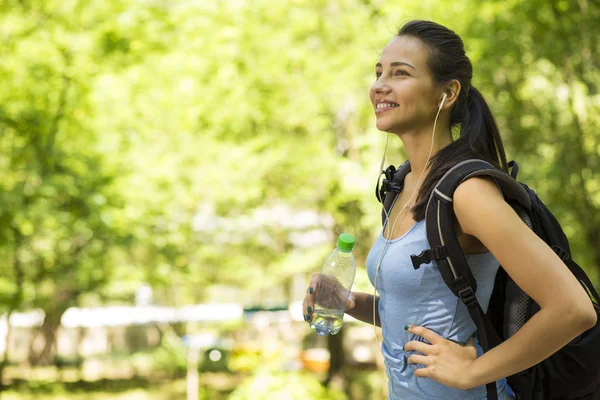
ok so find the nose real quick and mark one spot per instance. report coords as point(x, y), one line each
point(380, 87)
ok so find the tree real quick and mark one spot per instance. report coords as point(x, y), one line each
point(539, 63)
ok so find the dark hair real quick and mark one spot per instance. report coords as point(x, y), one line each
point(479, 136)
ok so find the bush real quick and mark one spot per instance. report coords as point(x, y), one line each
point(170, 358)
point(270, 385)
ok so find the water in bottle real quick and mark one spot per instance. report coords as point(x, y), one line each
point(337, 277)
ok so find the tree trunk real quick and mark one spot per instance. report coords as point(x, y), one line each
point(15, 302)
point(80, 338)
point(57, 306)
point(5, 359)
point(48, 330)
point(336, 376)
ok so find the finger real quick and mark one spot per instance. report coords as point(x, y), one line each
point(419, 359)
point(425, 333)
point(309, 299)
point(423, 372)
point(307, 309)
point(350, 302)
point(415, 345)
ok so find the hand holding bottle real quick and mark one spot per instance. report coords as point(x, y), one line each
point(329, 295)
point(326, 291)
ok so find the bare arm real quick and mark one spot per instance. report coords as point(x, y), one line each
point(566, 310)
point(363, 309)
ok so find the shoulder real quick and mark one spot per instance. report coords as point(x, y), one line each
point(477, 188)
point(478, 201)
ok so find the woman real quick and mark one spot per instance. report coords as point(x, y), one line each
point(422, 90)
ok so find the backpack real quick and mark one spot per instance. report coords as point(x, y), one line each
point(573, 372)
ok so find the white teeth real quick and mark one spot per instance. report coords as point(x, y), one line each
point(386, 105)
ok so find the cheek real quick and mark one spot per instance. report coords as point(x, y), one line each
point(416, 104)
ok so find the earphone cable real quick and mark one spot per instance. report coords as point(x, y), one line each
point(387, 216)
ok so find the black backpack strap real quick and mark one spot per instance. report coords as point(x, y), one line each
point(393, 183)
point(514, 168)
point(439, 220)
point(584, 280)
point(446, 250)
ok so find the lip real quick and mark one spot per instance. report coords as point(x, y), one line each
point(379, 111)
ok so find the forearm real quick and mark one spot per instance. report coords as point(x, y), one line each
point(363, 309)
point(539, 338)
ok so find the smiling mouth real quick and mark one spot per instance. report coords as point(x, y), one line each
point(382, 107)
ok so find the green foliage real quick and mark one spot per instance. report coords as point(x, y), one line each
point(265, 385)
point(132, 389)
point(170, 358)
point(194, 144)
point(538, 62)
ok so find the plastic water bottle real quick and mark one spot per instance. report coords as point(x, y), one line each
point(337, 277)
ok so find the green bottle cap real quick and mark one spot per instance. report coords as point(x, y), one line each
point(345, 242)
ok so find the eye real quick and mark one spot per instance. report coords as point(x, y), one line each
point(401, 72)
point(377, 74)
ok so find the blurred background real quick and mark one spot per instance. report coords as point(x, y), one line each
point(173, 171)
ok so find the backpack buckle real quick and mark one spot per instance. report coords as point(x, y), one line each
point(563, 254)
point(429, 255)
point(386, 184)
point(468, 296)
point(390, 186)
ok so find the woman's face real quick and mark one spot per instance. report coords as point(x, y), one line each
point(404, 95)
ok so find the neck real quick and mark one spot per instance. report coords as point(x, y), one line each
point(418, 144)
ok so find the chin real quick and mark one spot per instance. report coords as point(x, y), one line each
point(382, 125)
point(385, 126)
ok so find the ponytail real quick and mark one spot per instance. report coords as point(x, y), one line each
point(479, 128)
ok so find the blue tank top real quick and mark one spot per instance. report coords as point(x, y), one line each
point(420, 297)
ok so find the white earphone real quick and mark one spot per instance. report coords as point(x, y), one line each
point(443, 100)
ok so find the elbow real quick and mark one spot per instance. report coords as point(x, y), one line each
point(584, 316)
point(591, 317)
point(577, 315)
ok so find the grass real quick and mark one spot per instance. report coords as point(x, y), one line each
point(170, 390)
point(212, 387)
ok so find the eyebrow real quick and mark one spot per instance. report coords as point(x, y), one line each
point(397, 64)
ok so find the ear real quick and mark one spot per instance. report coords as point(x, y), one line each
point(452, 90)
